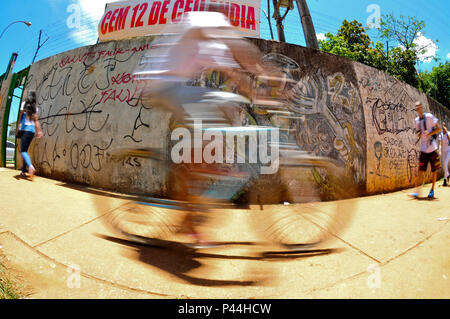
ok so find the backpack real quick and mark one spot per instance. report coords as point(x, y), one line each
point(434, 136)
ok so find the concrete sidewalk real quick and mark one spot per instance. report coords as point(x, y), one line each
point(56, 242)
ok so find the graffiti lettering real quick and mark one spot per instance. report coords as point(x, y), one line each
point(81, 58)
point(131, 161)
point(392, 118)
point(137, 124)
point(123, 78)
point(88, 156)
point(122, 95)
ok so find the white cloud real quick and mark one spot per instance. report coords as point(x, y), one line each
point(94, 8)
point(321, 36)
point(89, 13)
point(428, 45)
point(448, 55)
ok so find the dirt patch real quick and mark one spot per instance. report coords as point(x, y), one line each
point(12, 283)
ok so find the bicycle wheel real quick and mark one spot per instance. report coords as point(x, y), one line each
point(149, 220)
point(303, 204)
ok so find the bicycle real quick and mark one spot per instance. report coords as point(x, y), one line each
point(302, 178)
point(198, 187)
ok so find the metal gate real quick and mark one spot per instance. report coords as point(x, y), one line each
point(11, 97)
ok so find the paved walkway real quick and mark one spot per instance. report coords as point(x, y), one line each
point(55, 239)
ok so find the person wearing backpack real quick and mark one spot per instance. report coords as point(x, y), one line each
point(444, 138)
point(29, 127)
point(427, 128)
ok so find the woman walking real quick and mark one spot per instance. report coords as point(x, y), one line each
point(29, 126)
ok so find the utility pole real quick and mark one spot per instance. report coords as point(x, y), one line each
point(279, 21)
point(268, 18)
point(39, 46)
point(387, 55)
point(307, 24)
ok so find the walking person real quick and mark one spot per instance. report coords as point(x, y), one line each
point(427, 127)
point(444, 139)
point(29, 126)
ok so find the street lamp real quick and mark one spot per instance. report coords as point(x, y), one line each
point(26, 22)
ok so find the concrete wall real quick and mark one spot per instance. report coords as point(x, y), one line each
point(90, 107)
point(392, 143)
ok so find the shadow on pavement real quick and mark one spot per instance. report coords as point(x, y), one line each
point(178, 259)
point(19, 177)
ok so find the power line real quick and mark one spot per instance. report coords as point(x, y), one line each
point(61, 37)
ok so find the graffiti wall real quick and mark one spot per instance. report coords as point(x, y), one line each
point(326, 112)
point(392, 141)
point(91, 106)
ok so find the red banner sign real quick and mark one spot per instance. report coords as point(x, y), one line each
point(127, 19)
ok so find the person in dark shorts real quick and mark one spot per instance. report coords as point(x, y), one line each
point(427, 128)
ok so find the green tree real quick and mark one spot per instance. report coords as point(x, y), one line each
point(399, 59)
point(352, 41)
point(401, 64)
point(437, 83)
point(354, 34)
point(402, 31)
point(402, 34)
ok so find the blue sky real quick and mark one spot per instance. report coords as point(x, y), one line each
point(51, 16)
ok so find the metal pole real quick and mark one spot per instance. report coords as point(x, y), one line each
point(279, 21)
point(25, 22)
point(268, 18)
point(39, 46)
point(307, 24)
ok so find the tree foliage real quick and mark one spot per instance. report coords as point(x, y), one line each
point(353, 42)
point(402, 31)
point(399, 59)
point(437, 83)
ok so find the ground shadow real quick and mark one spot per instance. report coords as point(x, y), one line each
point(20, 177)
point(178, 260)
point(426, 198)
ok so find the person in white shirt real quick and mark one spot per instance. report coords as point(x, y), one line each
point(427, 127)
point(444, 139)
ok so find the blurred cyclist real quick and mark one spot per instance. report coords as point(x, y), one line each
point(199, 42)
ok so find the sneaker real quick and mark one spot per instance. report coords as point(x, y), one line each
point(431, 194)
point(445, 182)
point(31, 171)
point(414, 195)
